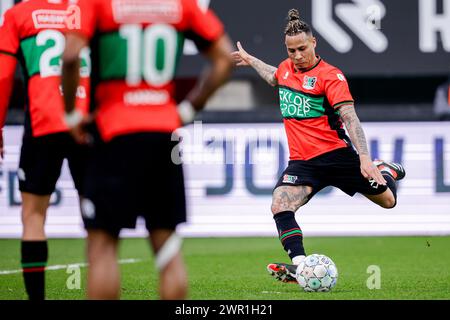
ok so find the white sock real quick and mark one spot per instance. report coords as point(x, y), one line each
point(298, 259)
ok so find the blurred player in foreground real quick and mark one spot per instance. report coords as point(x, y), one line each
point(32, 32)
point(135, 47)
point(315, 101)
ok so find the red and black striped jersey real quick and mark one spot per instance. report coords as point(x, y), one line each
point(33, 33)
point(136, 46)
point(309, 101)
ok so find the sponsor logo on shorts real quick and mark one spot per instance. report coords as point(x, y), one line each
point(373, 184)
point(289, 179)
point(309, 82)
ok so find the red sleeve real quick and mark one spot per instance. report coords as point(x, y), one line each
point(204, 26)
point(276, 73)
point(336, 89)
point(82, 17)
point(7, 67)
point(9, 35)
point(9, 45)
point(280, 70)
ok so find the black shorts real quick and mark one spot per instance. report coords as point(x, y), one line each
point(41, 159)
point(133, 175)
point(339, 168)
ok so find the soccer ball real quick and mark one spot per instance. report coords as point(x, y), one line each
point(317, 273)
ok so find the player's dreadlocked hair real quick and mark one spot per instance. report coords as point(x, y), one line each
point(295, 25)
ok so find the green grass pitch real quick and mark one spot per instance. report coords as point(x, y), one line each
point(235, 268)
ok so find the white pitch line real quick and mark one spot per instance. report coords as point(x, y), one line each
point(270, 292)
point(65, 266)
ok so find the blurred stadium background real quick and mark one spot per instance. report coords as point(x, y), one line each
point(395, 55)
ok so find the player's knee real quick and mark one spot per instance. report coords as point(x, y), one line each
point(275, 209)
point(32, 218)
point(101, 245)
point(389, 202)
point(33, 225)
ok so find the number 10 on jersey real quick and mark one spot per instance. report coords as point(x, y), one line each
point(151, 53)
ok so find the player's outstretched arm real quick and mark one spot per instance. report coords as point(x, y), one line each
point(358, 138)
point(214, 76)
point(267, 72)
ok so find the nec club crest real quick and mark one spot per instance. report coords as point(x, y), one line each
point(289, 179)
point(309, 82)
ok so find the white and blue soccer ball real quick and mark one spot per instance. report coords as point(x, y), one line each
point(317, 273)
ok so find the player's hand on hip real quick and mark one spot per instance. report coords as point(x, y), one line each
point(370, 171)
point(77, 123)
point(79, 133)
point(241, 57)
point(186, 111)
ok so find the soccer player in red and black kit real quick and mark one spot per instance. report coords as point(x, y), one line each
point(135, 46)
point(32, 32)
point(315, 102)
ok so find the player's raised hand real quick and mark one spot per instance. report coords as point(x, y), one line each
point(370, 171)
point(241, 57)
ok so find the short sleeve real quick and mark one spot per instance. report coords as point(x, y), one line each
point(204, 26)
point(9, 36)
point(281, 68)
point(7, 67)
point(81, 18)
point(336, 89)
point(276, 73)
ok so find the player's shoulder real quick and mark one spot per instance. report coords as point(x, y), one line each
point(186, 6)
point(284, 64)
point(189, 8)
point(15, 10)
point(24, 7)
point(17, 14)
point(328, 71)
point(21, 11)
point(326, 67)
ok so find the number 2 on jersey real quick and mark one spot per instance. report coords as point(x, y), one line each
point(49, 61)
point(47, 64)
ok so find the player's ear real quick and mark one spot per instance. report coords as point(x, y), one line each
point(314, 41)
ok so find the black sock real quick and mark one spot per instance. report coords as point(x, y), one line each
point(290, 234)
point(34, 260)
point(391, 185)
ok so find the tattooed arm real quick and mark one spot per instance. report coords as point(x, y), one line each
point(351, 121)
point(358, 138)
point(267, 72)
